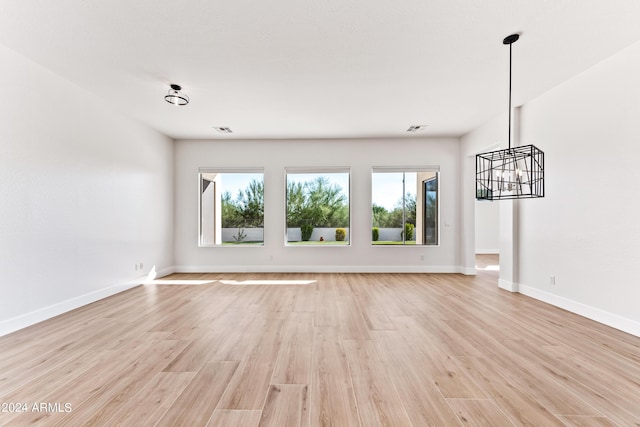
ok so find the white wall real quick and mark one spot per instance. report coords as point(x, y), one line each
point(586, 230)
point(274, 156)
point(487, 223)
point(85, 195)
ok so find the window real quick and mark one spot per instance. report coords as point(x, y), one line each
point(317, 207)
point(405, 206)
point(231, 207)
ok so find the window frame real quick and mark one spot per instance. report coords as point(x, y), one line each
point(292, 170)
point(217, 209)
point(420, 200)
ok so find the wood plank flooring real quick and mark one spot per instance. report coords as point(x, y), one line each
point(344, 350)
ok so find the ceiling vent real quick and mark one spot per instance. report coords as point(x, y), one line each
point(223, 130)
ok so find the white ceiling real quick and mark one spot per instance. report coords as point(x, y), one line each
point(316, 68)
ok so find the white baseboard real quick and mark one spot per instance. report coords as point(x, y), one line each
point(320, 269)
point(508, 286)
point(467, 271)
point(487, 251)
point(615, 321)
point(16, 323)
point(165, 272)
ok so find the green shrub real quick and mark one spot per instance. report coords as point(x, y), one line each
point(375, 231)
point(305, 231)
point(408, 229)
point(341, 234)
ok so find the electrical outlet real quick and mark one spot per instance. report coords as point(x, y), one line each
point(552, 280)
point(141, 266)
point(421, 257)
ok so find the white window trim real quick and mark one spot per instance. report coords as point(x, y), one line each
point(315, 170)
point(409, 169)
point(221, 170)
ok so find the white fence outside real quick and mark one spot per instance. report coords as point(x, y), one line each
point(252, 234)
point(327, 233)
point(294, 234)
point(392, 234)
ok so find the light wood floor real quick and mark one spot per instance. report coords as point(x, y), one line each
point(345, 350)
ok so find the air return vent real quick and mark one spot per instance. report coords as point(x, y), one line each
point(223, 129)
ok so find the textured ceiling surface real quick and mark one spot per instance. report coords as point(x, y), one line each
point(316, 69)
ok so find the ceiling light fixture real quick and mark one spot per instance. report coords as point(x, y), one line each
point(176, 97)
point(416, 128)
point(512, 173)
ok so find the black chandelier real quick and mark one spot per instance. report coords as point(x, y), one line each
point(175, 96)
point(512, 173)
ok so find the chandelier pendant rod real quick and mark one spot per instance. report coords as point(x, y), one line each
point(509, 136)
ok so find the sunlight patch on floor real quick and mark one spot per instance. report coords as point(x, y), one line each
point(178, 282)
point(267, 282)
point(489, 268)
